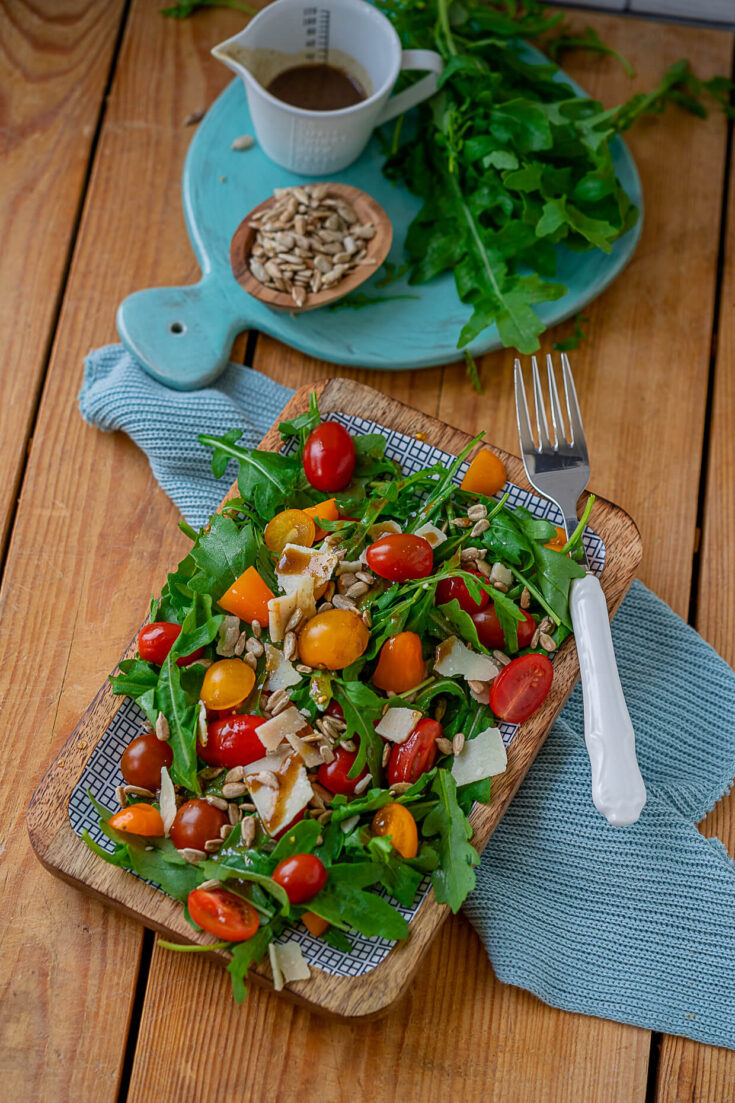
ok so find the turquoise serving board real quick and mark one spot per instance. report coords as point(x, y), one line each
point(183, 335)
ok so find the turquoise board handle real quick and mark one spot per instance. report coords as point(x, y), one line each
point(183, 335)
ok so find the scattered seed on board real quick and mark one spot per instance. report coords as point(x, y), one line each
point(245, 141)
point(193, 118)
point(443, 745)
point(234, 789)
point(547, 642)
point(458, 743)
point(162, 729)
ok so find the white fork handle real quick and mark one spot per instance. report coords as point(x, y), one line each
point(618, 790)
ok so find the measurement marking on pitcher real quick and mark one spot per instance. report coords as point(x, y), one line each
point(322, 36)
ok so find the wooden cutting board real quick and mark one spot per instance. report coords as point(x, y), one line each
point(63, 853)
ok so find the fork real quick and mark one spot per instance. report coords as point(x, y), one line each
point(560, 471)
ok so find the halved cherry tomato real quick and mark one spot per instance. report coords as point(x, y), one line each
point(143, 759)
point(450, 589)
point(326, 511)
point(409, 760)
point(401, 663)
point(395, 820)
point(302, 876)
point(196, 822)
point(490, 633)
point(558, 543)
point(333, 639)
point(232, 741)
point(400, 557)
point(329, 457)
point(223, 914)
point(314, 923)
point(138, 819)
point(226, 684)
point(156, 640)
point(248, 597)
point(290, 526)
point(333, 775)
point(485, 475)
point(521, 687)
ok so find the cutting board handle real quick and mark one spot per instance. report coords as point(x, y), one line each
point(181, 335)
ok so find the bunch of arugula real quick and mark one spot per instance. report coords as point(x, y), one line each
point(232, 541)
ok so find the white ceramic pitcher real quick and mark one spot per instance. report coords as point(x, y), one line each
point(348, 34)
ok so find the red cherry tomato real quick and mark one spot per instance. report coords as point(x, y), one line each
point(223, 914)
point(490, 633)
point(301, 875)
point(450, 589)
point(401, 556)
point(329, 457)
point(409, 760)
point(232, 741)
point(285, 830)
point(335, 709)
point(156, 640)
point(143, 759)
point(521, 687)
point(333, 775)
point(195, 823)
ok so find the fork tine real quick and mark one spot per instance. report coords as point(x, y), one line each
point(557, 419)
point(541, 425)
point(576, 429)
point(524, 425)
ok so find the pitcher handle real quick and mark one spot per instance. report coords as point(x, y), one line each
point(414, 59)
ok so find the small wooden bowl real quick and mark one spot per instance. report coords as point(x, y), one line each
point(378, 246)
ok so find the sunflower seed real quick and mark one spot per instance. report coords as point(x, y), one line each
point(400, 787)
point(484, 568)
point(216, 802)
point(267, 778)
point(234, 789)
point(138, 791)
point(209, 773)
point(237, 773)
point(256, 629)
point(501, 658)
point(278, 701)
point(245, 141)
point(193, 118)
point(148, 727)
point(367, 619)
point(225, 830)
point(468, 554)
point(162, 729)
point(460, 522)
point(190, 855)
point(323, 265)
point(294, 620)
point(500, 586)
point(480, 526)
point(443, 745)
point(341, 602)
point(250, 660)
point(212, 883)
point(212, 845)
point(344, 581)
point(289, 646)
point(325, 816)
point(535, 638)
point(247, 831)
point(357, 590)
point(547, 642)
point(254, 647)
point(349, 745)
point(476, 685)
point(233, 814)
point(298, 294)
point(477, 512)
point(362, 784)
point(258, 269)
point(386, 755)
point(122, 799)
point(240, 645)
point(366, 576)
point(458, 743)
point(546, 625)
point(440, 709)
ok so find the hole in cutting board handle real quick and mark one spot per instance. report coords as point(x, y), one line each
point(177, 328)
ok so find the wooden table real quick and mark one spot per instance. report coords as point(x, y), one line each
point(95, 135)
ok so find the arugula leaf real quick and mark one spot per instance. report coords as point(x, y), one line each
point(361, 706)
point(555, 572)
point(400, 879)
point(245, 953)
point(222, 554)
point(137, 677)
point(454, 878)
point(182, 721)
point(344, 903)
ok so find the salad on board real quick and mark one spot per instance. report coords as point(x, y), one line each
point(323, 677)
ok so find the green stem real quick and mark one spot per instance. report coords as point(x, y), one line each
point(192, 949)
point(443, 13)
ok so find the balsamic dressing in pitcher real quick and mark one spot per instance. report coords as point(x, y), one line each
point(317, 88)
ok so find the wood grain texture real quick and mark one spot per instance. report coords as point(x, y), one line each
point(691, 1073)
point(367, 210)
point(92, 529)
point(62, 852)
point(55, 57)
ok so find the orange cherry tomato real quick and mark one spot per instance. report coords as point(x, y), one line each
point(314, 923)
point(485, 475)
point(223, 914)
point(327, 511)
point(401, 663)
point(138, 819)
point(559, 541)
point(332, 639)
point(395, 820)
point(248, 597)
point(227, 683)
point(291, 526)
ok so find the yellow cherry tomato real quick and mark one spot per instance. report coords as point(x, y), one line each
point(291, 526)
point(333, 639)
point(559, 541)
point(401, 663)
point(138, 819)
point(324, 511)
point(395, 820)
point(485, 475)
point(227, 683)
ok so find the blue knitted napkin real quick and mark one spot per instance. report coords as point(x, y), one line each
point(635, 924)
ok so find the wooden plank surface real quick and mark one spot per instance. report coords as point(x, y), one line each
point(109, 530)
point(92, 530)
point(55, 58)
point(689, 1072)
point(516, 1047)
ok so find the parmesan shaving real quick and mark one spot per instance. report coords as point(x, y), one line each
point(291, 961)
point(431, 534)
point(397, 724)
point(454, 659)
point(281, 672)
point(481, 757)
point(167, 801)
